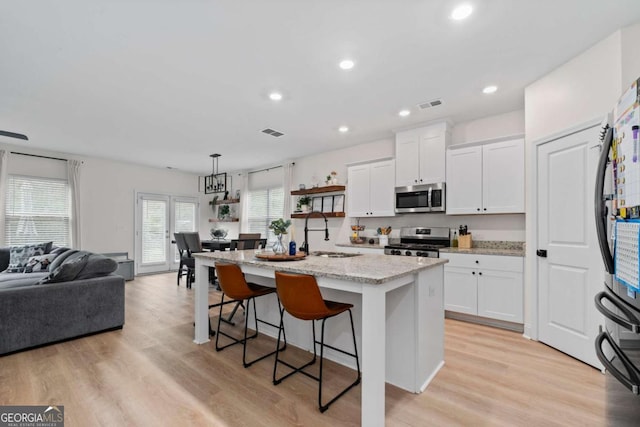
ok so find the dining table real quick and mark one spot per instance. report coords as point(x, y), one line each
point(216, 244)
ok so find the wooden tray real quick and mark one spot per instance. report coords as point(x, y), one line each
point(281, 257)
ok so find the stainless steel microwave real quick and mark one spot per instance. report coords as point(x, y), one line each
point(421, 198)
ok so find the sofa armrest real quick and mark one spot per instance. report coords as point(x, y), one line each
point(42, 314)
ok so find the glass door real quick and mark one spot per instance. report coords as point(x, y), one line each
point(152, 233)
point(158, 217)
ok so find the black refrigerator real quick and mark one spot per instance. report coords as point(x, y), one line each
point(617, 211)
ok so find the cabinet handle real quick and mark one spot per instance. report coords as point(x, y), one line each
point(480, 273)
point(477, 262)
point(478, 209)
point(485, 209)
point(473, 272)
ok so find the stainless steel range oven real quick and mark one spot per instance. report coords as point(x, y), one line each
point(420, 241)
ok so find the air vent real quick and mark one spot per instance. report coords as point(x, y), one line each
point(429, 104)
point(272, 132)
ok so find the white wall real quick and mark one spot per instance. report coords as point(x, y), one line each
point(107, 194)
point(630, 38)
point(501, 125)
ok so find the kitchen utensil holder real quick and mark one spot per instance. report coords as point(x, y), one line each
point(465, 242)
point(383, 240)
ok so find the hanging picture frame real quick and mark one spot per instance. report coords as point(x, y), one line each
point(316, 204)
point(338, 203)
point(327, 204)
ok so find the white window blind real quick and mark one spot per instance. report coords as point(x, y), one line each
point(154, 223)
point(37, 210)
point(184, 221)
point(265, 205)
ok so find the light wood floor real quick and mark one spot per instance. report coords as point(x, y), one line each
point(151, 373)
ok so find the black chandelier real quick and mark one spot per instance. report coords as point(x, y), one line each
point(216, 182)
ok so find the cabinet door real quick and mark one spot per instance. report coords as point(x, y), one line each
point(503, 177)
point(460, 290)
point(407, 158)
point(432, 158)
point(382, 188)
point(358, 191)
point(464, 180)
point(500, 295)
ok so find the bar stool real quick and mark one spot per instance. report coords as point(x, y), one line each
point(234, 286)
point(301, 298)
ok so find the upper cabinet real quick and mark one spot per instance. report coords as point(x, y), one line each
point(420, 155)
point(371, 189)
point(486, 179)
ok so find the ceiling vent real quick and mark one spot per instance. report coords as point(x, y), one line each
point(429, 104)
point(272, 132)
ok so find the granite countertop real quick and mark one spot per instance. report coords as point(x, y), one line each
point(487, 247)
point(360, 245)
point(374, 269)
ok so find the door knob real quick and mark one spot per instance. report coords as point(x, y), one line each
point(542, 253)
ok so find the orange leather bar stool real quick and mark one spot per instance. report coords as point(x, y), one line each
point(301, 298)
point(234, 286)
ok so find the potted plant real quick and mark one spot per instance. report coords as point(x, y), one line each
point(224, 211)
point(303, 203)
point(279, 227)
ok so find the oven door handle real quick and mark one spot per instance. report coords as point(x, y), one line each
point(632, 379)
point(630, 321)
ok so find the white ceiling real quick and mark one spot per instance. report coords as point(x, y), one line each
point(166, 83)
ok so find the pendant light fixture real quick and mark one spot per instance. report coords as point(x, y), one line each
point(216, 182)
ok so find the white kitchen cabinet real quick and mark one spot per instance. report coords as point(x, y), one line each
point(371, 189)
point(486, 179)
point(489, 286)
point(420, 155)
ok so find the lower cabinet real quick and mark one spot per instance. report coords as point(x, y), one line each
point(489, 286)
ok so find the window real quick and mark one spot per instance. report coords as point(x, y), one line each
point(37, 210)
point(265, 205)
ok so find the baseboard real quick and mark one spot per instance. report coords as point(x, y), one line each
point(511, 326)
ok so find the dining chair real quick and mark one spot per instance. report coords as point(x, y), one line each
point(186, 261)
point(241, 244)
point(245, 236)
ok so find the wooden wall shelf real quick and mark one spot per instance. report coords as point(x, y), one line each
point(325, 189)
point(317, 215)
point(227, 202)
point(224, 220)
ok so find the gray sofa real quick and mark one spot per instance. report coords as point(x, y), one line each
point(34, 312)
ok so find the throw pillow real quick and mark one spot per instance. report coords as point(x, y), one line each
point(39, 263)
point(19, 255)
point(97, 265)
point(67, 271)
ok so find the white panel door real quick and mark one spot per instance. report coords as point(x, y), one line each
point(460, 290)
point(503, 177)
point(464, 180)
point(153, 233)
point(432, 158)
point(500, 295)
point(407, 158)
point(571, 274)
point(358, 191)
point(381, 188)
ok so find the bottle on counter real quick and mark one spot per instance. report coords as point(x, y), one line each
point(292, 245)
point(454, 243)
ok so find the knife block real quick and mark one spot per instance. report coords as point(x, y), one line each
point(465, 242)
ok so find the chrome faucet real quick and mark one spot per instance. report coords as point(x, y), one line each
point(305, 245)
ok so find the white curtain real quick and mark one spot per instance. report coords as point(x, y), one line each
point(73, 176)
point(244, 204)
point(287, 178)
point(4, 157)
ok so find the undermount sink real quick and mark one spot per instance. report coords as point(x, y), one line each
point(327, 254)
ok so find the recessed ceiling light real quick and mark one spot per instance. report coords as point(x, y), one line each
point(490, 89)
point(404, 113)
point(343, 129)
point(347, 64)
point(461, 12)
point(275, 96)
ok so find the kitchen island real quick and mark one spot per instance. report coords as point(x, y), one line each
point(398, 315)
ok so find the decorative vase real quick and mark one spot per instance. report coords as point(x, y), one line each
point(278, 247)
point(304, 208)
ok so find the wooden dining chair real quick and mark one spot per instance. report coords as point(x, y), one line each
point(241, 244)
point(245, 236)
